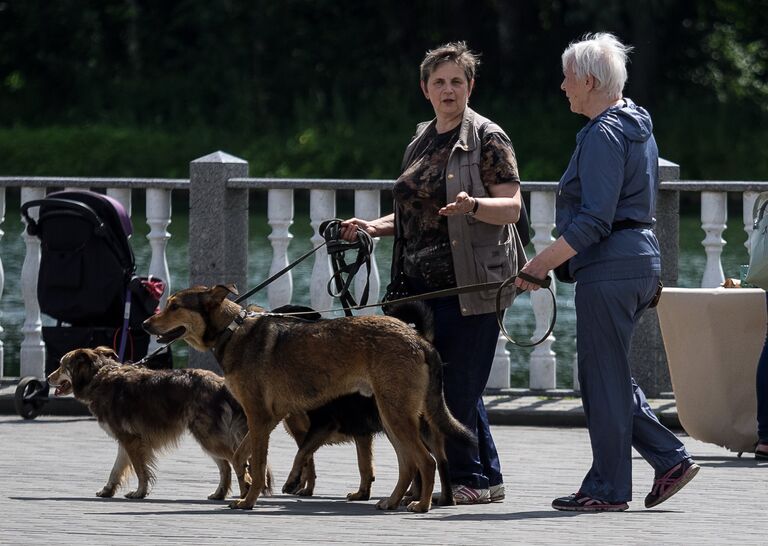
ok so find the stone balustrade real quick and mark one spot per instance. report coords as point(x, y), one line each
point(218, 250)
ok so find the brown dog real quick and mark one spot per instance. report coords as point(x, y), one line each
point(352, 418)
point(276, 366)
point(146, 410)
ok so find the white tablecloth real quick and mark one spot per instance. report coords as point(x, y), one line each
point(713, 338)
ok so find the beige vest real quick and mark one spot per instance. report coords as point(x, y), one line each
point(481, 252)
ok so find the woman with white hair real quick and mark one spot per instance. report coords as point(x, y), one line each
point(606, 202)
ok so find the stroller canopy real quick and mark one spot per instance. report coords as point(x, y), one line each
point(86, 260)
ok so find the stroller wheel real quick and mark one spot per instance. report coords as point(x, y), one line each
point(31, 395)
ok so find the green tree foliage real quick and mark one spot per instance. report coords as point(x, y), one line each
point(330, 88)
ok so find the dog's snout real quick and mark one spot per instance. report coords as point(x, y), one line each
point(147, 325)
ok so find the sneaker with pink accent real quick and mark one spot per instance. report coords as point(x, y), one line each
point(463, 494)
point(670, 482)
point(579, 502)
point(497, 492)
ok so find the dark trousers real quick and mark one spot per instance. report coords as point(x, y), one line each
point(762, 391)
point(467, 346)
point(618, 415)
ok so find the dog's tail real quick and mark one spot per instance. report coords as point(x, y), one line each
point(437, 410)
point(416, 313)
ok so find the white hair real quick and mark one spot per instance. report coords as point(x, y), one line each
point(602, 56)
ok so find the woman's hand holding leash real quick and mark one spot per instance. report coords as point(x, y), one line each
point(544, 262)
point(375, 228)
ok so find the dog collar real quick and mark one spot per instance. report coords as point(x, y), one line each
point(237, 322)
point(225, 334)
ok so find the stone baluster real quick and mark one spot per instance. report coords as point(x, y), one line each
point(158, 219)
point(123, 196)
point(322, 207)
point(714, 217)
point(748, 200)
point(280, 218)
point(543, 362)
point(2, 278)
point(32, 354)
point(499, 377)
point(368, 207)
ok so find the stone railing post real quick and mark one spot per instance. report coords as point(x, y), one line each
point(748, 203)
point(714, 220)
point(543, 365)
point(218, 230)
point(368, 207)
point(2, 279)
point(123, 195)
point(158, 212)
point(322, 207)
point(648, 358)
point(280, 218)
point(32, 354)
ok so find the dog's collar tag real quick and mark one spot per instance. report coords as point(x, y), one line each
point(227, 332)
point(237, 321)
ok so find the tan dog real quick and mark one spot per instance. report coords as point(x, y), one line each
point(146, 410)
point(352, 418)
point(276, 366)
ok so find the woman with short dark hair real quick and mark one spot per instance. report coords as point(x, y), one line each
point(456, 201)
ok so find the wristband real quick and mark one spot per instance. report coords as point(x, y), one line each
point(474, 208)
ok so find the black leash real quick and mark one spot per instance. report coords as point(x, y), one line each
point(343, 275)
point(544, 283)
point(284, 270)
point(499, 286)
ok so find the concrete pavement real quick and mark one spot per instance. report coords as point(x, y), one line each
point(50, 469)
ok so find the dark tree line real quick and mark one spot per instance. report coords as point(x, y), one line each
point(280, 66)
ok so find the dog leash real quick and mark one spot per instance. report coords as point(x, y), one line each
point(499, 286)
point(330, 230)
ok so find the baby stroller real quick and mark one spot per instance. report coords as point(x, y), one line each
point(87, 283)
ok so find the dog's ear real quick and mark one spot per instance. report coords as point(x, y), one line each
point(221, 291)
point(81, 367)
point(231, 287)
point(105, 351)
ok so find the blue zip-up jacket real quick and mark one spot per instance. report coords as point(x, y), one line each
point(613, 175)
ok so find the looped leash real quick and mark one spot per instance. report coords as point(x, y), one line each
point(284, 270)
point(343, 273)
point(546, 283)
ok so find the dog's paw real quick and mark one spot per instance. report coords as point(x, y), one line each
point(292, 487)
point(359, 496)
point(384, 504)
point(418, 507)
point(106, 492)
point(408, 499)
point(241, 504)
point(138, 494)
point(219, 494)
point(305, 492)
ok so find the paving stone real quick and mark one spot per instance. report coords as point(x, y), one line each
point(51, 467)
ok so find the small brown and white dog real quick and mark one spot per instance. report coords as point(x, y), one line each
point(147, 410)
